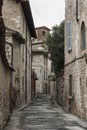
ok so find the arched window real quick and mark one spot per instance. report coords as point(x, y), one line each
point(83, 36)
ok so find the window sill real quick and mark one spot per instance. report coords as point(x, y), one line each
point(70, 97)
point(69, 51)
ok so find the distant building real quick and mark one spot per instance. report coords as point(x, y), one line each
point(75, 73)
point(41, 62)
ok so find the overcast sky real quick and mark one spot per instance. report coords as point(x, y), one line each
point(47, 12)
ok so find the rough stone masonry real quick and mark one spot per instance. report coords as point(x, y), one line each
point(75, 73)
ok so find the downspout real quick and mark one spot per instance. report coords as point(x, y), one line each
point(11, 86)
point(31, 70)
point(26, 69)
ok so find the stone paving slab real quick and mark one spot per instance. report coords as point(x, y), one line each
point(42, 114)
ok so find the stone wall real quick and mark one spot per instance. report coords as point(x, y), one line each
point(15, 21)
point(52, 89)
point(5, 78)
point(15, 88)
point(60, 89)
point(11, 12)
point(5, 85)
point(18, 74)
point(37, 65)
point(75, 61)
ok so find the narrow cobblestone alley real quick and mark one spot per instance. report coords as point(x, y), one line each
point(42, 114)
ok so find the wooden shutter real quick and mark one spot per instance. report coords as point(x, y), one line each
point(69, 35)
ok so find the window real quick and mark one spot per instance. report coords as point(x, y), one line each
point(52, 67)
point(44, 60)
point(22, 83)
point(80, 82)
point(83, 36)
point(70, 85)
point(77, 10)
point(44, 75)
point(69, 36)
point(23, 51)
point(43, 33)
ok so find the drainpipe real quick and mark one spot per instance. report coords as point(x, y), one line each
point(26, 69)
point(31, 70)
point(11, 81)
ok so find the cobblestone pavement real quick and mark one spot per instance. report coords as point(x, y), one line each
point(42, 114)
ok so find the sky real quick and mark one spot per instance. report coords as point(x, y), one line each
point(47, 12)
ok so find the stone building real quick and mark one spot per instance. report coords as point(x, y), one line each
point(59, 89)
point(75, 73)
point(41, 62)
point(19, 30)
point(5, 75)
